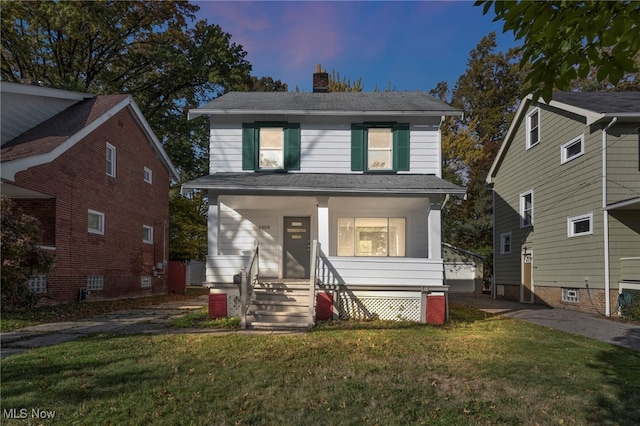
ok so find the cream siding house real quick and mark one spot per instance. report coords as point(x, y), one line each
point(358, 173)
point(566, 188)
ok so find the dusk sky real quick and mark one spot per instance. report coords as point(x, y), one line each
point(411, 44)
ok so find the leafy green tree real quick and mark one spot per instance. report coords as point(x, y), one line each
point(565, 40)
point(188, 225)
point(145, 48)
point(488, 95)
point(20, 237)
point(344, 84)
point(262, 84)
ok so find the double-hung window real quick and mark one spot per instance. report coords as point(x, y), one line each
point(148, 175)
point(533, 128)
point(111, 160)
point(380, 147)
point(95, 222)
point(147, 234)
point(505, 243)
point(270, 146)
point(526, 209)
point(371, 236)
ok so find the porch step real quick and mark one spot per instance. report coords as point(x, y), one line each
point(280, 326)
point(279, 305)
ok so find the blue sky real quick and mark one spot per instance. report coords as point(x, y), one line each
point(411, 44)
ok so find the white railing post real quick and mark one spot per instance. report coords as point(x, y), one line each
point(243, 298)
point(315, 250)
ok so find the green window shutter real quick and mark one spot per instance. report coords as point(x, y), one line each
point(292, 146)
point(401, 147)
point(249, 142)
point(357, 147)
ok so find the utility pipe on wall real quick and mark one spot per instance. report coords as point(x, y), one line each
point(607, 283)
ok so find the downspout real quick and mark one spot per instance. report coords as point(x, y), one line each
point(607, 283)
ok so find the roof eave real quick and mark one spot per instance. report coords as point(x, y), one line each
point(194, 113)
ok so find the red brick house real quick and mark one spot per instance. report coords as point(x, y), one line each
point(92, 171)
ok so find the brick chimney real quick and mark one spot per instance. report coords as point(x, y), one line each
point(320, 80)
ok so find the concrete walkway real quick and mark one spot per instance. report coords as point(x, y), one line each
point(594, 326)
point(156, 318)
point(148, 319)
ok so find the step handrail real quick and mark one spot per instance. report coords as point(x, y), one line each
point(313, 278)
point(248, 279)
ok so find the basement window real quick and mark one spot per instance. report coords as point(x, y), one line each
point(571, 295)
point(95, 282)
point(38, 284)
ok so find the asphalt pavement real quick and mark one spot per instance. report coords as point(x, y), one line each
point(156, 318)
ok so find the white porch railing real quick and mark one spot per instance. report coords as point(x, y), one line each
point(248, 279)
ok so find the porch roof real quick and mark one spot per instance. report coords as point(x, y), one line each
point(278, 183)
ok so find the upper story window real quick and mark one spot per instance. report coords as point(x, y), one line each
point(270, 146)
point(533, 128)
point(526, 209)
point(111, 160)
point(580, 225)
point(148, 175)
point(380, 147)
point(147, 234)
point(572, 149)
point(96, 222)
point(505, 243)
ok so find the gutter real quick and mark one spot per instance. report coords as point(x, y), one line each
point(607, 281)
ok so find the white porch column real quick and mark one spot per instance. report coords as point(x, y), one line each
point(323, 224)
point(434, 237)
point(212, 224)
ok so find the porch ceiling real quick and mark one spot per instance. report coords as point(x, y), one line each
point(378, 184)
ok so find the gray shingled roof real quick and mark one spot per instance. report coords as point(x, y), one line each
point(345, 102)
point(274, 183)
point(602, 102)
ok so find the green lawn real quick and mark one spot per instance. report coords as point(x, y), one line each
point(477, 369)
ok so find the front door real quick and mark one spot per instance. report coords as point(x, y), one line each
point(297, 247)
point(527, 278)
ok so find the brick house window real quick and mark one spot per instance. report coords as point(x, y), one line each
point(95, 282)
point(147, 234)
point(148, 175)
point(145, 281)
point(38, 284)
point(96, 222)
point(111, 160)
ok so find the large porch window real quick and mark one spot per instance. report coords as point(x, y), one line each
point(380, 236)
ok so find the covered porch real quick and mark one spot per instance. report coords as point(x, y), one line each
point(378, 245)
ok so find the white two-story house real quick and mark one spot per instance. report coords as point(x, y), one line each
point(360, 173)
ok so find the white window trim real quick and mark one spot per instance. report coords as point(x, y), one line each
point(528, 128)
point(572, 220)
point(113, 162)
point(148, 175)
point(150, 229)
point(102, 222)
point(563, 149)
point(502, 236)
point(524, 194)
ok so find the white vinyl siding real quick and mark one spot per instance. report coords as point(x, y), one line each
point(325, 148)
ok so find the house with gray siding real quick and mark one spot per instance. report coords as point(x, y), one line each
point(566, 194)
point(325, 205)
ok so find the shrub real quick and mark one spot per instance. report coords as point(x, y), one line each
point(22, 257)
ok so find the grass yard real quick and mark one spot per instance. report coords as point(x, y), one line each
point(476, 370)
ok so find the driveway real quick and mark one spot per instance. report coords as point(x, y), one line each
point(610, 330)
